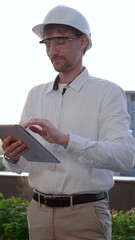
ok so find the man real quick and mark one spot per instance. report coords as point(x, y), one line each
point(84, 122)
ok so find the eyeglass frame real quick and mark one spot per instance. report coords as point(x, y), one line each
point(69, 38)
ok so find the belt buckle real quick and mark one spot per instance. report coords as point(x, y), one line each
point(56, 202)
point(49, 201)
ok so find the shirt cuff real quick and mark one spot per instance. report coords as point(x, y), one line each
point(76, 142)
point(18, 167)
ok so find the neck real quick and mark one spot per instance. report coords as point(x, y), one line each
point(69, 76)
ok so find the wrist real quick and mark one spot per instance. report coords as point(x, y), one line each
point(66, 140)
point(10, 160)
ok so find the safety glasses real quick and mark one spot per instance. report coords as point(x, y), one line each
point(60, 42)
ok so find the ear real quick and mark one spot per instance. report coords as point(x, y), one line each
point(84, 42)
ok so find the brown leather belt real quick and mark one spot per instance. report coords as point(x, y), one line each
point(66, 201)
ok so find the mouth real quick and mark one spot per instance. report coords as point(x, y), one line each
point(54, 60)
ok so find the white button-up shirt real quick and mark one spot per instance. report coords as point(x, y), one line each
point(94, 113)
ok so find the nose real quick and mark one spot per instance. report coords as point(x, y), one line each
point(53, 50)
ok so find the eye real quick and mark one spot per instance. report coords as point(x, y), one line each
point(61, 41)
point(47, 43)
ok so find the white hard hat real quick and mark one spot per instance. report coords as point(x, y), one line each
point(66, 16)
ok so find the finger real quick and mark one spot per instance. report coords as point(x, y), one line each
point(7, 141)
point(17, 144)
point(18, 153)
point(14, 152)
point(36, 130)
point(39, 122)
point(33, 121)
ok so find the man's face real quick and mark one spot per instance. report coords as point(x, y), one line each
point(65, 54)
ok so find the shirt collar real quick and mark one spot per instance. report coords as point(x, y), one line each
point(80, 80)
point(76, 84)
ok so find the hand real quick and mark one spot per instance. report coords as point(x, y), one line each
point(13, 148)
point(46, 130)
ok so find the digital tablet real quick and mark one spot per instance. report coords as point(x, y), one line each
point(37, 152)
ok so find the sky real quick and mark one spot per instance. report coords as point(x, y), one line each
point(23, 60)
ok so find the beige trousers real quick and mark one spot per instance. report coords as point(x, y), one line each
point(89, 221)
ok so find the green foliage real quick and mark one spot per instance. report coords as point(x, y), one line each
point(13, 220)
point(2, 168)
point(123, 225)
point(1, 150)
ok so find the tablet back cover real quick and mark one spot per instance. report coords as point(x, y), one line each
point(37, 152)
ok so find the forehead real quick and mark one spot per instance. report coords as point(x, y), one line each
point(58, 28)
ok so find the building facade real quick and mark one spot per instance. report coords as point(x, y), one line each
point(131, 108)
